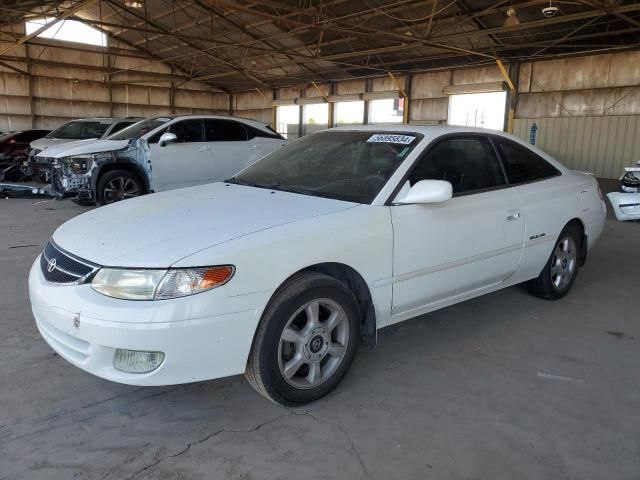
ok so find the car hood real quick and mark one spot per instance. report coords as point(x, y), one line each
point(82, 147)
point(158, 230)
point(44, 142)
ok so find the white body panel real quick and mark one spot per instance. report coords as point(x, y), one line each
point(180, 165)
point(626, 206)
point(413, 258)
point(444, 249)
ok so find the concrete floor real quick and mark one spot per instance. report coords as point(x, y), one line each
point(503, 386)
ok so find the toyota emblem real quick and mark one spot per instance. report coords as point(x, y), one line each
point(51, 266)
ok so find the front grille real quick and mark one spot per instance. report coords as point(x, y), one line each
point(59, 266)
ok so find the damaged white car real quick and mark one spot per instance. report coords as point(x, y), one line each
point(626, 202)
point(158, 154)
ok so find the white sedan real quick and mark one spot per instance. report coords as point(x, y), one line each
point(280, 271)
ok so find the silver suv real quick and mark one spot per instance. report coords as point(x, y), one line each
point(83, 129)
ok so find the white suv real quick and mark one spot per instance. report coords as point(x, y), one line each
point(159, 154)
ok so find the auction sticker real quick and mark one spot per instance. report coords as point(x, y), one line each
point(384, 138)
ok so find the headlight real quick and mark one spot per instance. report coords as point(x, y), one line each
point(159, 284)
point(83, 163)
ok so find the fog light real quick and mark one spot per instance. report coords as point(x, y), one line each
point(133, 361)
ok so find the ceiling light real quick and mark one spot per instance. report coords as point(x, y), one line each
point(512, 18)
point(550, 11)
point(134, 3)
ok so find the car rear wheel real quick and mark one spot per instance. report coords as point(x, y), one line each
point(118, 185)
point(561, 269)
point(306, 340)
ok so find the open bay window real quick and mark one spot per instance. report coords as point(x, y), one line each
point(386, 110)
point(481, 106)
point(349, 113)
point(315, 116)
point(288, 121)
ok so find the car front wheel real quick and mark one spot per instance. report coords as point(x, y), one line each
point(306, 340)
point(118, 185)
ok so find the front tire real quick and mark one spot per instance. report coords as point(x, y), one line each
point(306, 340)
point(118, 185)
point(561, 270)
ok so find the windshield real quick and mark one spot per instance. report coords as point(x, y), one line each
point(344, 165)
point(139, 129)
point(80, 130)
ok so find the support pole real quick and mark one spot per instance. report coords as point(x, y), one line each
point(403, 93)
point(512, 96)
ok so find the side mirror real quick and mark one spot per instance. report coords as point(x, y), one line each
point(167, 138)
point(428, 191)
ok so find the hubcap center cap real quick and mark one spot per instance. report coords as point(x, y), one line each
point(565, 262)
point(316, 344)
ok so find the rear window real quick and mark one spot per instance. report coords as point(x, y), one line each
point(521, 164)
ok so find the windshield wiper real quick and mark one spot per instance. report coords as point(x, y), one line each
point(272, 186)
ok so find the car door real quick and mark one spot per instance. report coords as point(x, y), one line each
point(548, 203)
point(183, 163)
point(444, 251)
point(230, 147)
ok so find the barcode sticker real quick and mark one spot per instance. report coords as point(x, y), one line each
point(384, 138)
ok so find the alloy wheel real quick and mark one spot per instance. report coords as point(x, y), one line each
point(313, 343)
point(563, 263)
point(120, 188)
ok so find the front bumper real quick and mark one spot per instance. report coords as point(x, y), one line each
point(204, 336)
point(626, 206)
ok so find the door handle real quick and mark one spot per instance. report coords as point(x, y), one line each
point(513, 215)
point(204, 149)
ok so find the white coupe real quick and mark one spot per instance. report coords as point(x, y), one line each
point(280, 271)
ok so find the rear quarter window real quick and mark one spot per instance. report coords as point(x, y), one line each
point(521, 164)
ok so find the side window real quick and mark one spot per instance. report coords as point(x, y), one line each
point(187, 131)
point(224, 131)
point(119, 126)
point(23, 137)
point(256, 132)
point(523, 165)
point(468, 163)
point(34, 135)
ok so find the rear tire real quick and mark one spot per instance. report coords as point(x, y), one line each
point(306, 340)
point(561, 270)
point(117, 185)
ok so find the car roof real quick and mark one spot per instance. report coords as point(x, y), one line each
point(429, 131)
point(106, 119)
point(248, 121)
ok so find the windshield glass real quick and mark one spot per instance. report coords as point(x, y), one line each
point(344, 165)
point(80, 130)
point(139, 129)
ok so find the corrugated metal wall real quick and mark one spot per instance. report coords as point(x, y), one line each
point(602, 145)
point(70, 81)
